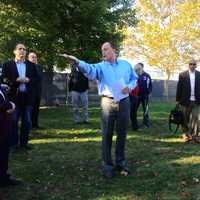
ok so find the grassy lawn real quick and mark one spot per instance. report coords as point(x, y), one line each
point(65, 163)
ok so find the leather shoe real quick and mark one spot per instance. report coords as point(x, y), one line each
point(186, 138)
point(123, 170)
point(26, 147)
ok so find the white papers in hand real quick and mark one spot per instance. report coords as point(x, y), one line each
point(117, 90)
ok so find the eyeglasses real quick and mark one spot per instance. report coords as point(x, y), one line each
point(194, 64)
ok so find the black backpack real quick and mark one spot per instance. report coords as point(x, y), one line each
point(176, 117)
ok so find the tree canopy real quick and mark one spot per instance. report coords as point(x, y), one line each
point(167, 33)
point(75, 26)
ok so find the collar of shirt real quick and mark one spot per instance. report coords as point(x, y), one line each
point(112, 63)
point(191, 72)
point(19, 61)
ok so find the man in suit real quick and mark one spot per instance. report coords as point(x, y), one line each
point(20, 75)
point(32, 57)
point(6, 108)
point(188, 95)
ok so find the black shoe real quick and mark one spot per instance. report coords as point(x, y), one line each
point(146, 125)
point(10, 182)
point(108, 174)
point(85, 122)
point(26, 147)
point(123, 170)
point(37, 127)
point(135, 128)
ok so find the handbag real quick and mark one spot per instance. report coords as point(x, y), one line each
point(176, 117)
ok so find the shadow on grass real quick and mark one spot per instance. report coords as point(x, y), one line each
point(72, 170)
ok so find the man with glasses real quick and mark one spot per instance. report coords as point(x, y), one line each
point(188, 96)
point(20, 75)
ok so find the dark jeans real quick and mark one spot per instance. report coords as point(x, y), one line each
point(4, 153)
point(35, 112)
point(25, 113)
point(145, 106)
point(114, 115)
point(133, 112)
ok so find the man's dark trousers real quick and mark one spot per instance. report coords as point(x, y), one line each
point(35, 111)
point(4, 153)
point(23, 111)
point(114, 114)
point(145, 105)
point(133, 111)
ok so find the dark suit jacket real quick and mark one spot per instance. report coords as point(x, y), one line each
point(39, 71)
point(184, 89)
point(5, 118)
point(9, 76)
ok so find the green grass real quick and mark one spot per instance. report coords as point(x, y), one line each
point(65, 163)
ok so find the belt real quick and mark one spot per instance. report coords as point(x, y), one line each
point(107, 97)
point(113, 98)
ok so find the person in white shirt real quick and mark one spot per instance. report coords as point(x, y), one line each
point(188, 96)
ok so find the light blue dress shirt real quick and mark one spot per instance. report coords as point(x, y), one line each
point(108, 74)
point(21, 68)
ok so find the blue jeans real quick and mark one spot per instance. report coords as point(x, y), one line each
point(80, 99)
point(25, 113)
point(114, 114)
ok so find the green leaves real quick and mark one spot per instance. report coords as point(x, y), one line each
point(75, 26)
point(167, 33)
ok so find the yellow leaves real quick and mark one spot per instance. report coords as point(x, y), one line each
point(167, 32)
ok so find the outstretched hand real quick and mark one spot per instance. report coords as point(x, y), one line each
point(69, 57)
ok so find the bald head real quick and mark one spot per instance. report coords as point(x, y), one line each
point(192, 64)
point(108, 52)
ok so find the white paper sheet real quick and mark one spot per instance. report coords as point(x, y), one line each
point(117, 90)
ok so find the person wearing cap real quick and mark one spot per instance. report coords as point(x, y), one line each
point(116, 79)
point(188, 96)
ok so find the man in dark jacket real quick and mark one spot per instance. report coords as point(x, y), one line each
point(188, 95)
point(20, 75)
point(32, 57)
point(78, 86)
point(145, 89)
point(6, 108)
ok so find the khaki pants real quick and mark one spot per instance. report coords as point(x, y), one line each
point(191, 113)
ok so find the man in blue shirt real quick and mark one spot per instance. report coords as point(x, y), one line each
point(116, 79)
